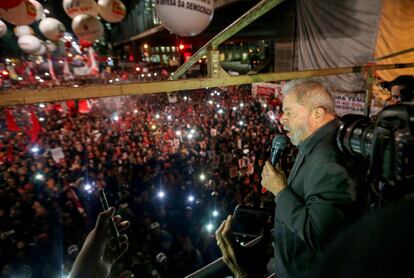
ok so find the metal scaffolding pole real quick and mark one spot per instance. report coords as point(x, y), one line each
point(70, 93)
point(251, 15)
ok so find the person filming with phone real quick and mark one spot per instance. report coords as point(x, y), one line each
point(318, 199)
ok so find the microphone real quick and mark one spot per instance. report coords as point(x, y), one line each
point(278, 145)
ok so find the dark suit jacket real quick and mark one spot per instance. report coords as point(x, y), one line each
point(318, 202)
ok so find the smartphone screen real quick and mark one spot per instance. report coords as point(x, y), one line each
point(249, 221)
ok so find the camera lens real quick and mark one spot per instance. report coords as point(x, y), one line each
point(355, 135)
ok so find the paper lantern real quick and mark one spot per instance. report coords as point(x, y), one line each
point(3, 29)
point(39, 9)
point(187, 19)
point(87, 27)
point(29, 44)
point(51, 47)
point(23, 30)
point(42, 50)
point(77, 7)
point(22, 14)
point(52, 28)
point(112, 10)
point(9, 4)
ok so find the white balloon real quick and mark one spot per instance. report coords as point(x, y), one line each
point(29, 44)
point(87, 27)
point(187, 19)
point(52, 28)
point(3, 29)
point(42, 49)
point(112, 10)
point(77, 7)
point(39, 9)
point(23, 30)
point(51, 47)
point(22, 14)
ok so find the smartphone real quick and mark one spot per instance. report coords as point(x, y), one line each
point(249, 222)
point(114, 230)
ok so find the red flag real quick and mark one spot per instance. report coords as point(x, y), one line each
point(34, 131)
point(11, 123)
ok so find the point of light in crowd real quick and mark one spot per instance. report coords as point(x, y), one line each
point(272, 117)
point(8, 60)
point(76, 86)
point(145, 46)
point(41, 119)
point(135, 111)
point(161, 194)
point(39, 177)
point(192, 131)
point(41, 80)
point(264, 105)
point(181, 46)
point(234, 108)
point(155, 74)
point(41, 105)
point(191, 198)
point(212, 94)
point(115, 117)
point(61, 62)
point(202, 177)
point(109, 59)
point(185, 98)
point(169, 117)
point(46, 11)
point(215, 213)
point(137, 68)
point(35, 149)
point(178, 133)
point(70, 55)
point(210, 102)
point(218, 105)
point(37, 77)
point(20, 78)
point(149, 74)
point(209, 227)
point(157, 116)
point(220, 111)
point(241, 123)
point(153, 127)
point(241, 104)
point(110, 81)
point(189, 135)
point(88, 187)
point(47, 74)
point(116, 79)
point(142, 75)
point(218, 93)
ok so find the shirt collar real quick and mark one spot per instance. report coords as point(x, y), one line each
point(306, 145)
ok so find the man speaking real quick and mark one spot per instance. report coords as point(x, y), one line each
point(318, 199)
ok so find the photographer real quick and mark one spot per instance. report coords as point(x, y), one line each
point(317, 200)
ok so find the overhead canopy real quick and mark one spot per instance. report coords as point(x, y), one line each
point(344, 33)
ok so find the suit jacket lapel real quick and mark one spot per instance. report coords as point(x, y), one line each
point(295, 168)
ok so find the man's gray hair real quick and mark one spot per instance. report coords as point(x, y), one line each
point(311, 94)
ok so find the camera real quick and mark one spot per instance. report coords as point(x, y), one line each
point(385, 142)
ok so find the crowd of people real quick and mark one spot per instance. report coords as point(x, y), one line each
point(173, 166)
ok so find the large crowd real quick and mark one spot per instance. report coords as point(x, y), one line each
point(174, 166)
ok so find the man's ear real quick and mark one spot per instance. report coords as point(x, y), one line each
point(319, 113)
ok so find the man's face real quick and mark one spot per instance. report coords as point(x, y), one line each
point(395, 93)
point(295, 119)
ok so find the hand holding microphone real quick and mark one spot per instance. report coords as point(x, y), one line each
point(274, 179)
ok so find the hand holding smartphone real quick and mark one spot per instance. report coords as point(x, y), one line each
point(114, 230)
